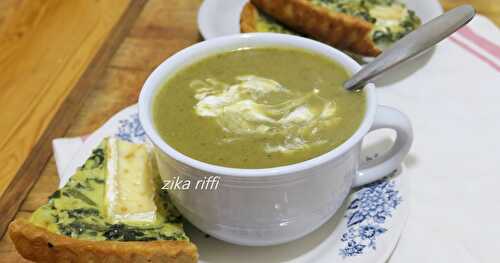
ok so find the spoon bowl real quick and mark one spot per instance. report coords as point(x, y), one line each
point(413, 44)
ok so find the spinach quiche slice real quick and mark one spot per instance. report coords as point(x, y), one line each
point(111, 210)
point(363, 27)
point(253, 20)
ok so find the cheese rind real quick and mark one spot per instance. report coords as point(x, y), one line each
point(130, 186)
point(79, 208)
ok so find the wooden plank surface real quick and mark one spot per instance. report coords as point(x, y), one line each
point(163, 28)
point(52, 53)
point(46, 46)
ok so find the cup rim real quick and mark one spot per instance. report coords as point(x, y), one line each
point(207, 48)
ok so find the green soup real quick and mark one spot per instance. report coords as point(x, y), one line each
point(257, 108)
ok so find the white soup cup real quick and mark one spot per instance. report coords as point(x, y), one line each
point(259, 207)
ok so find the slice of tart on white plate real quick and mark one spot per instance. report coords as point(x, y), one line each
point(111, 210)
point(363, 27)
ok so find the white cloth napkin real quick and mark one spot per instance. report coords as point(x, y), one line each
point(454, 104)
point(453, 101)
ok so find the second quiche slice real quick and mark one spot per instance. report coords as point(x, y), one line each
point(111, 210)
point(363, 27)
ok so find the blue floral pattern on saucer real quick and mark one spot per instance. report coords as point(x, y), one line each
point(366, 230)
point(131, 130)
point(366, 215)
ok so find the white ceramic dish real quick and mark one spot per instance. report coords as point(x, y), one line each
point(261, 207)
point(218, 18)
point(326, 244)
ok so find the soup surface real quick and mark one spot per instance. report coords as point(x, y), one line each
point(257, 108)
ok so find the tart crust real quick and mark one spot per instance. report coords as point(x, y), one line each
point(40, 245)
point(339, 30)
point(248, 18)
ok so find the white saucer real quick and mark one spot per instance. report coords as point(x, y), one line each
point(366, 229)
point(221, 17)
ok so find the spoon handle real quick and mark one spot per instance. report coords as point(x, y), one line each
point(423, 38)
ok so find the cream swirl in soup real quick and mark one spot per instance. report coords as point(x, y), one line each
point(257, 106)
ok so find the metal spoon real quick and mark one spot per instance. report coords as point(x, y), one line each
point(413, 44)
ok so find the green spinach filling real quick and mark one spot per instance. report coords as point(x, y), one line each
point(266, 23)
point(77, 211)
point(391, 19)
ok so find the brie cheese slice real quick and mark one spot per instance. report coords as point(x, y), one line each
point(130, 186)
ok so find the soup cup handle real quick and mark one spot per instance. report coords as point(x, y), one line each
point(388, 118)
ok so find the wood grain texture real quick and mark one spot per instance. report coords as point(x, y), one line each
point(46, 46)
point(61, 52)
point(162, 29)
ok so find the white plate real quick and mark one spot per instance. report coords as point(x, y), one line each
point(369, 223)
point(222, 17)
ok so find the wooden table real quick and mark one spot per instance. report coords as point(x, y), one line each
point(51, 51)
point(162, 28)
